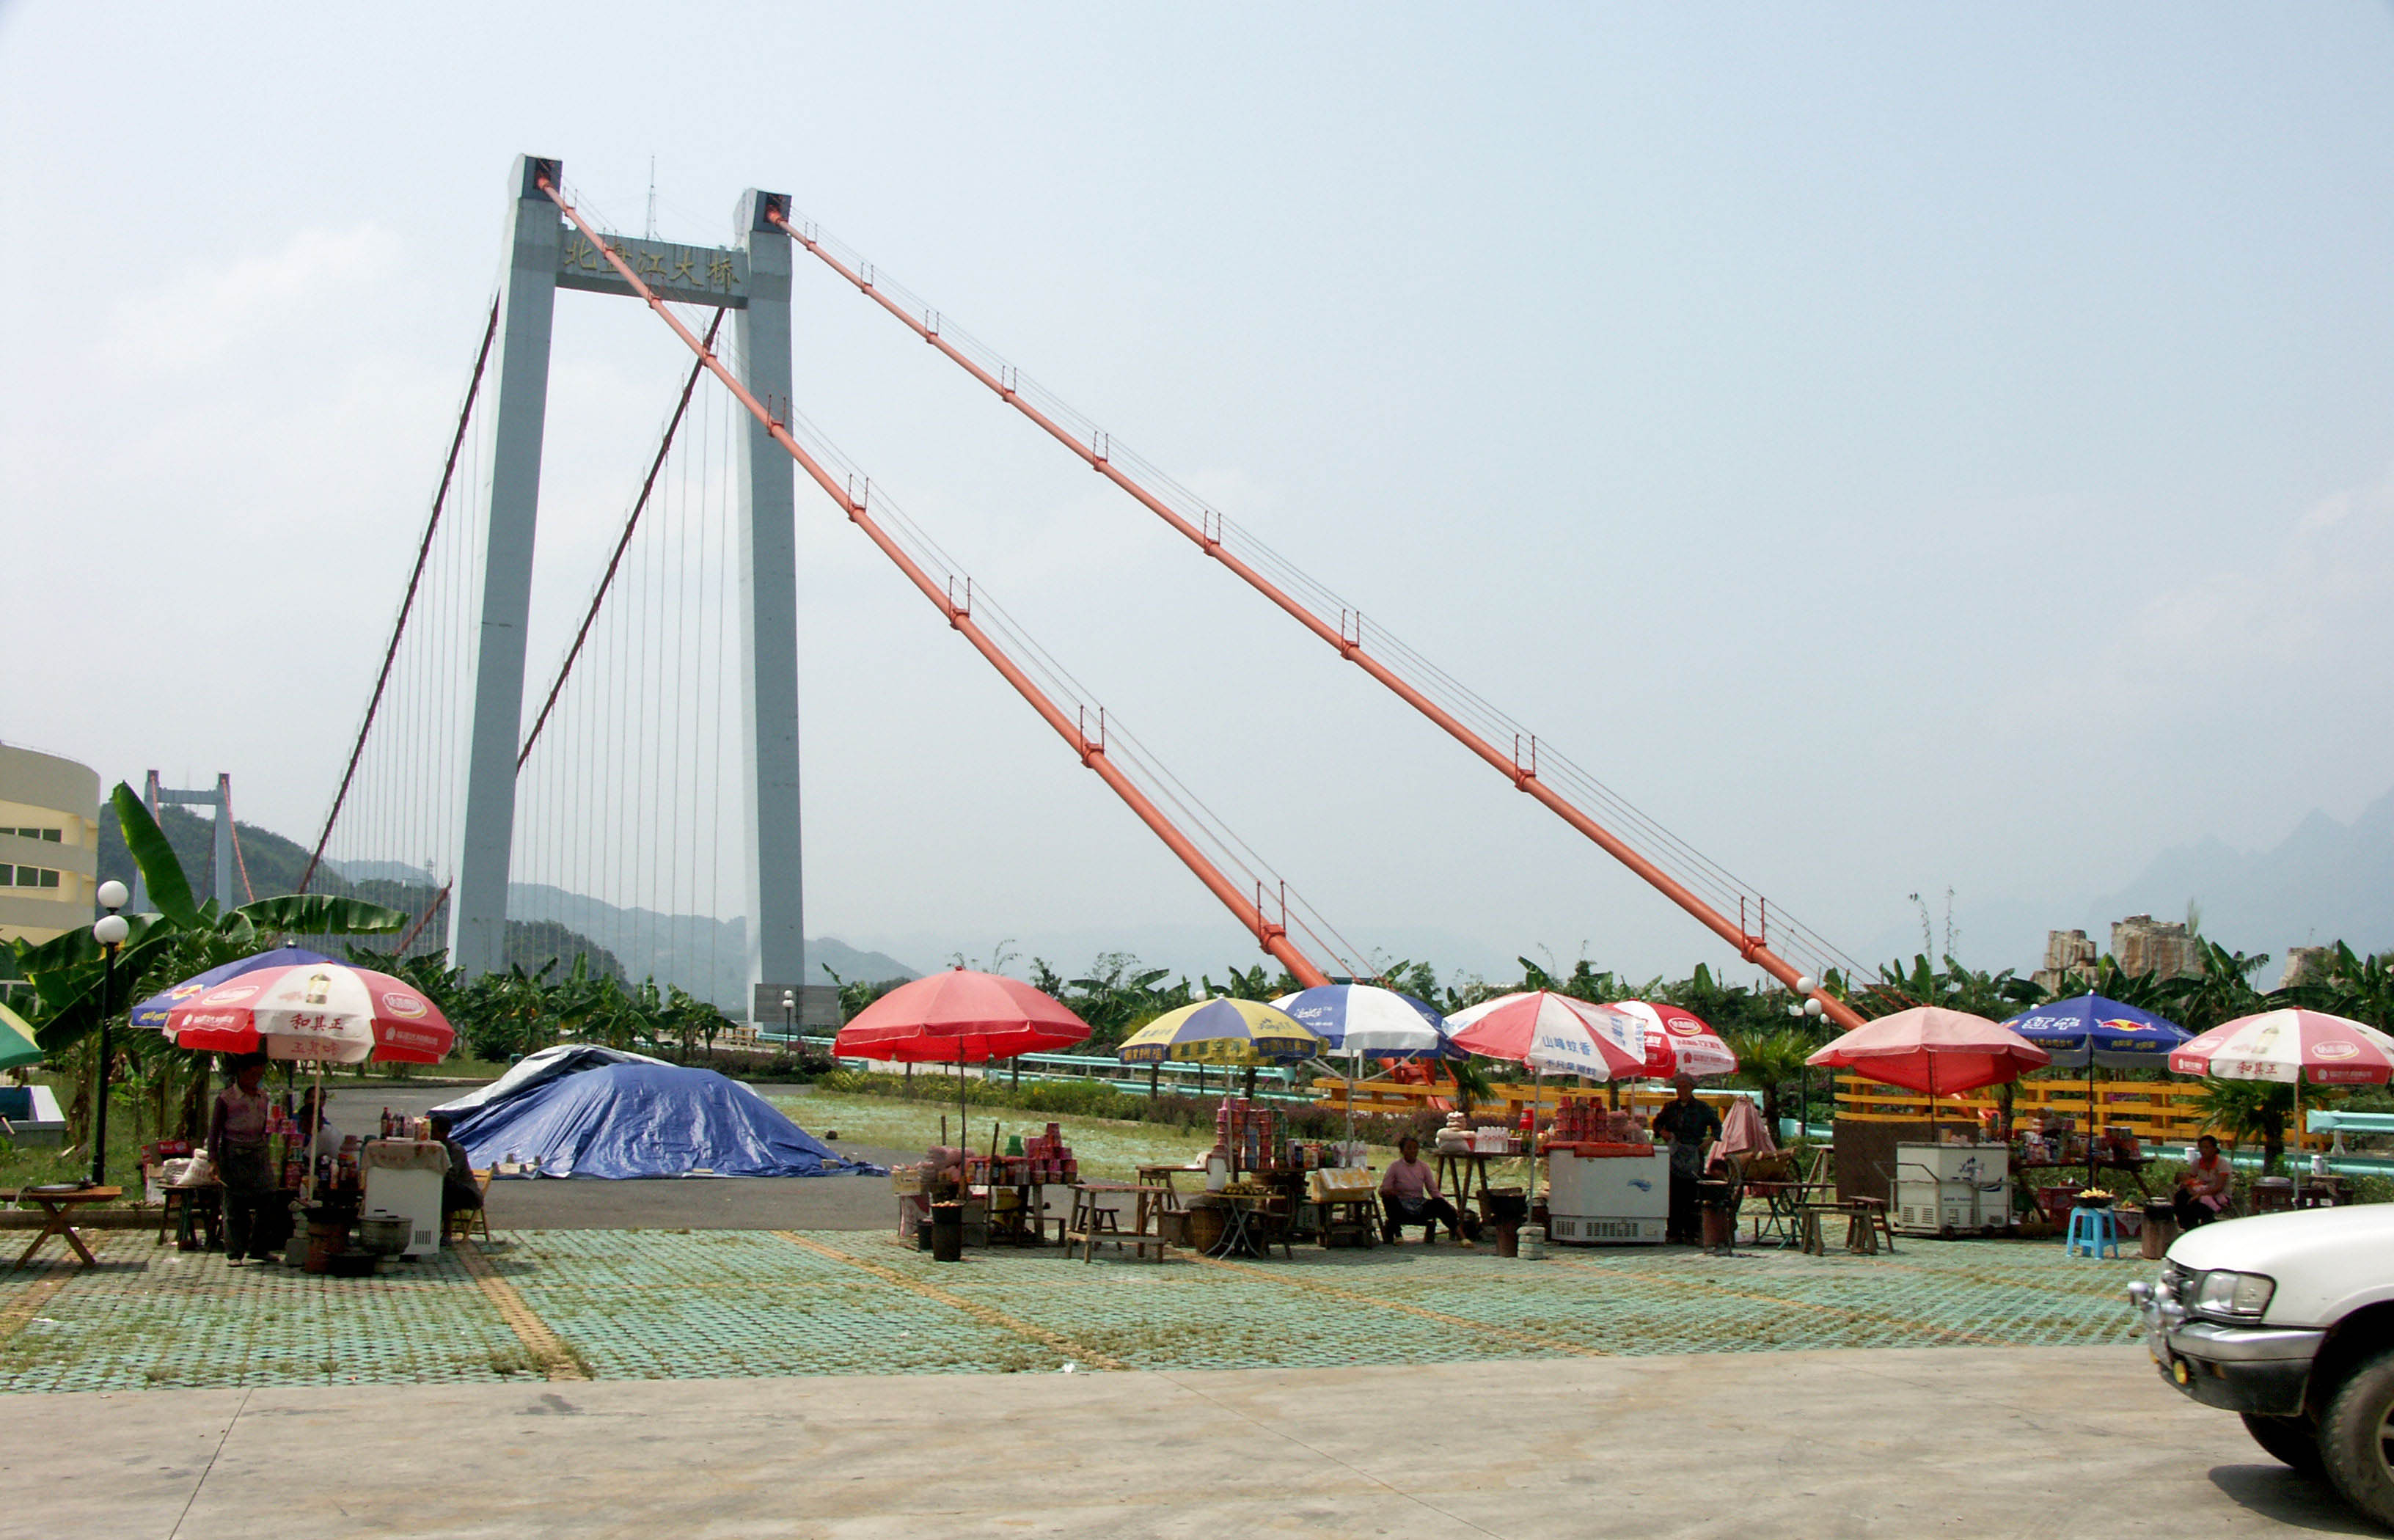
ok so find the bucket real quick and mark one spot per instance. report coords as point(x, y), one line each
point(325, 1239)
point(947, 1232)
point(382, 1234)
point(1719, 1225)
point(1508, 1239)
point(2160, 1230)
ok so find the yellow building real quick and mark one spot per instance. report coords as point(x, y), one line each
point(49, 844)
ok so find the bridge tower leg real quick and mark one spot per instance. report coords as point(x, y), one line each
point(478, 910)
point(769, 620)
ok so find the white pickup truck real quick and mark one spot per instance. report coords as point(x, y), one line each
point(2288, 1319)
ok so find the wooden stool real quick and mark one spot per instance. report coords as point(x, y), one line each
point(1875, 1209)
point(1862, 1236)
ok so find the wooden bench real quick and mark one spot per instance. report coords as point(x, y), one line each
point(1093, 1224)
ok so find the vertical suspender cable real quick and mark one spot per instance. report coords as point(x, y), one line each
point(398, 628)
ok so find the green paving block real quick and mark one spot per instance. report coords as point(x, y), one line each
point(660, 1304)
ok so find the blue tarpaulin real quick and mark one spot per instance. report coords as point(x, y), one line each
point(626, 1120)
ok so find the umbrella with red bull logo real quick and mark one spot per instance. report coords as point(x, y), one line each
point(325, 1012)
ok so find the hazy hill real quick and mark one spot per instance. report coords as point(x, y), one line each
point(2326, 881)
point(704, 956)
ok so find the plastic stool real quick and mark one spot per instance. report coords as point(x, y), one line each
point(2092, 1230)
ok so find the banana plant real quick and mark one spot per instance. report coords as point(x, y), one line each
point(182, 938)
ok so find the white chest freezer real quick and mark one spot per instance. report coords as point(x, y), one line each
point(403, 1176)
point(1609, 1200)
point(1952, 1189)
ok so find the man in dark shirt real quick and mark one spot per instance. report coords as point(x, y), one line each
point(458, 1188)
point(1690, 1126)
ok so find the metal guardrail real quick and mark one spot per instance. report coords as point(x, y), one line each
point(1272, 1082)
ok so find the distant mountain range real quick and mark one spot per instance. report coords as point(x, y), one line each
point(2325, 882)
point(704, 956)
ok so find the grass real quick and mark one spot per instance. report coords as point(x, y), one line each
point(1108, 1148)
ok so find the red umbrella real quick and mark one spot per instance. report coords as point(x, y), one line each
point(1933, 1050)
point(960, 1017)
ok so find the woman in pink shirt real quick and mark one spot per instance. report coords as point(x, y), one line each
point(2203, 1192)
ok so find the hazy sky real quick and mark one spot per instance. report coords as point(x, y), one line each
point(1898, 448)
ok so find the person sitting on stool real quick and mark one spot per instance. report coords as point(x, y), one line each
point(459, 1189)
point(1409, 1196)
point(2202, 1194)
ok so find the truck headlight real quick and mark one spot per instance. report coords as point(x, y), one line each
point(2221, 1292)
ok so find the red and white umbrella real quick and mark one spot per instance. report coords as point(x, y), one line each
point(1931, 1049)
point(960, 1017)
point(1553, 1034)
point(1678, 1042)
point(2291, 1047)
point(325, 1012)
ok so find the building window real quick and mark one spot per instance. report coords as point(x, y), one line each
point(53, 836)
point(28, 877)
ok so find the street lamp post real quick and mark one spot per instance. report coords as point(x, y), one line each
point(790, 1013)
point(109, 931)
point(1811, 1008)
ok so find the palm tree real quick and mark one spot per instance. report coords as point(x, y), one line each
point(1767, 1060)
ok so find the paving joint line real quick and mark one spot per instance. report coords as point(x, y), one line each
point(21, 1310)
point(555, 1360)
point(1486, 1328)
point(217, 1452)
point(985, 1314)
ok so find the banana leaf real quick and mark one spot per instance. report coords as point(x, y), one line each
point(169, 888)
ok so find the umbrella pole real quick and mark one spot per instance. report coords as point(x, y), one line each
point(2299, 1136)
point(2091, 1118)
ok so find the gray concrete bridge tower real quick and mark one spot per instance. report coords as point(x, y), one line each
point(751, 278)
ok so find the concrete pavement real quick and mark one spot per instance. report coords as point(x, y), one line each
point(2074, 1442)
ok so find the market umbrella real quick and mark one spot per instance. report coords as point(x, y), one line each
point(321, 1012)
point(1552, 1035)
point(1223, 1030)
point(1742, 1133)
point(17, 1041)
point(2089, 1032)
point(1933, 1050)
point(1366, 1018)
point(2290, 1047)
point(151, 1013)
point(960, 1017)
point(1678, 1042)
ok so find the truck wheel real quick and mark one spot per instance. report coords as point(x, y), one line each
point(2357, 1438)
point(2292, 1441)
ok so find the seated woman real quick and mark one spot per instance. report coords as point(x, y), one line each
point(2203, 1192)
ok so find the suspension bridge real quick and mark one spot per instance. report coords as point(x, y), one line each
point(651, 770)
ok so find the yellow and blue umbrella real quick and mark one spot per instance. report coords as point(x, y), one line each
point(16, 1043)
point(1222, 1031)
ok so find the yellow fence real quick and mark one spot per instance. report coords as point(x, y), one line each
point(2157, 1111)
point(1509, 1098)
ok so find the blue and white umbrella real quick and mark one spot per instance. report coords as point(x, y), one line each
point(1366, 1019)
point(2091, 1031)
point(1356, 1020)
point(152, 1012)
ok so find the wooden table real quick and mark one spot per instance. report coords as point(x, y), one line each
point(1161, 1177)
point(60, 1205)
point(1093, 1223)
point(1457, 1167)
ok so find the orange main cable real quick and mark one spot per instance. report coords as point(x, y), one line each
point(1753, 948)
point(1274, 938)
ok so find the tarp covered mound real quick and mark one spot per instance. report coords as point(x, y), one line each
point(538, 1069)
point(630, 1121)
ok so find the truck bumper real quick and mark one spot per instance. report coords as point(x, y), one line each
point(2257, 1369)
